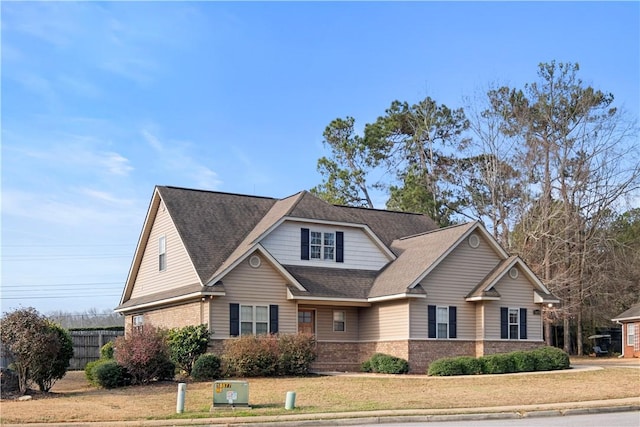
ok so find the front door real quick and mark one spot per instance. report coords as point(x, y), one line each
point(306, 321)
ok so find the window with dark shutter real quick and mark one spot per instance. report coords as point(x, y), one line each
point(452, 322)
point(431, 314)
point(523, 323)
point(339, 246)
point(504, 323)
point(234, 320)
point(273, 319)
point(304, 243)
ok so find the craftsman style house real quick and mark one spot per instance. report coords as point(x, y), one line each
point(630, 321)
point(362, 280)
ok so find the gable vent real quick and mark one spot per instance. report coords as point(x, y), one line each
point(474, 241)
point(254, 261)
point(513, 273)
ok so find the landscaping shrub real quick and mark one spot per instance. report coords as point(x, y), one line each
point(296, 353)
point(187, 344)
point(464, 365)
point(269, 355)
point(41, 350)
point(206, 368)
point(446, 366)
point(89, 370)
point(106, 351)
point(251, 356)
point(52, 364)
point(501, 363)
point(550, 358)
point(386, 364)
point(540, 359)
point(109, 374)
point(145, 355)
point(523, 361)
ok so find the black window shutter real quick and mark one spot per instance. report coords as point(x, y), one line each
point(452, 322)
point(273, 319)
point(234, 320)
point(339, 246)
point(304, 243)
point(431, 314)
point(523, 323)
point(504, 323)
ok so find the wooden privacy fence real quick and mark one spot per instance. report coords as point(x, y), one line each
point(87, 345)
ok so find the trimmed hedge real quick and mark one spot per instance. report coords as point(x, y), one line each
point(110, 375)
point(465, 365)
point(385, 364)
point(207, 367)
point(269, 355)
point(540, 359)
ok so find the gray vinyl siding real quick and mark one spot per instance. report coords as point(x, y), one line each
point(515, 293)
point(448, 285)
point(360, 252)
point(324, 324)
point(385, 321)
point(179, 269)
point(246, 285)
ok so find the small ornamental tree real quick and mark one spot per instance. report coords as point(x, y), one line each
point(53, 360)
point(187, 344)
point(145, 355)
point(25, 333)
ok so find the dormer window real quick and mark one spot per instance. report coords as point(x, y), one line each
point(320, 245)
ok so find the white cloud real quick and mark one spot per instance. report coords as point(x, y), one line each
point(174, 157)
point(104, 196)
point(116, 164)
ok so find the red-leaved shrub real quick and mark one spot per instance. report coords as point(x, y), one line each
point(145, 355)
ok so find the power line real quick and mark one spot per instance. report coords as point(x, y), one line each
point(61, 296)
point(58, 257)
point(63, 284)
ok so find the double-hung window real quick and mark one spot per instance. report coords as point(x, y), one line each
point(162, 253)
point(513, 323)
point(339, 321)
point(138, 322)
point(630, 334)
point(442, 321)
point(322, 245)
point(254, 319)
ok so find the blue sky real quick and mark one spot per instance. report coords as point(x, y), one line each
point(101, 101)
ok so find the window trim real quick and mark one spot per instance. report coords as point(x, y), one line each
point(337, 322)
point(137, 322)
point(440, 309)
point(254, 319)
point(234, 319)
point(451, 321)
point(631, 335)
point(515, 324)
point(322, 246)
point(162, 253)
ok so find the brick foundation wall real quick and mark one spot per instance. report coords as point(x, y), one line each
point(339, 356)
point(178, 316)
point(493, 347)
point(422, 353)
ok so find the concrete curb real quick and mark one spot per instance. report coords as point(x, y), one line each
point(381, 417)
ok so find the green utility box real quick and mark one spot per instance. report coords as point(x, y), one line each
point(230, 394)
